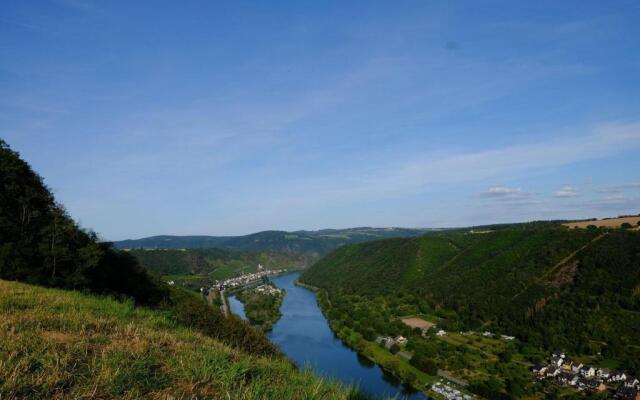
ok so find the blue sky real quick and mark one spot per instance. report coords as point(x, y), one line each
point(206, 117)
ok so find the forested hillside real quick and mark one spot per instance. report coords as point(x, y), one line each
point(173, 242)
point(308, 242)
point(40, 244)
point(196, 268)
point(214, 261)
point(551, 287)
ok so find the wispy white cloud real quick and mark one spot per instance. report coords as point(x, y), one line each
point(426, 172)
point(603, 141)
point(613, 199)
point(510, 196)
point(500, 192)
point(613, 204)
point(618, 188)
point(566, 191)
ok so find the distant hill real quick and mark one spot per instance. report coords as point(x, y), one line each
point(552, 287)
point(314, 242)
point(196, 268)
point(204, 261)
point(173, 242)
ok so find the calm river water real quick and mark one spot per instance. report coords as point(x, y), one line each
point(304, 336)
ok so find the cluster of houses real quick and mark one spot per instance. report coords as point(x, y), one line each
point(268, 289)
point(389, 341)
point(246, 278)
point(449, 393)
point(587, 378)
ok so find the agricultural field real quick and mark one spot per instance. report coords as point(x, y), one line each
point(606, 223)
point(415, 322)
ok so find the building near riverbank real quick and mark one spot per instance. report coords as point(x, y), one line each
point(246, 279)
point(449, 392)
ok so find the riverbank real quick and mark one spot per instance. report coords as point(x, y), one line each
point(393, 364)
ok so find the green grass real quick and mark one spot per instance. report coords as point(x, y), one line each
point(489, 347)
point(58, 344)
point(384, 358)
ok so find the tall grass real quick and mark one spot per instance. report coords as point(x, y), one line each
point(56, 344)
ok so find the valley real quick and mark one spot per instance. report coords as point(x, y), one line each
point(479, 312)
point(471, 311)
point(304, 335)
point(320, 200)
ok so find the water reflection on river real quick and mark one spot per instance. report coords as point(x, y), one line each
point(304, 336)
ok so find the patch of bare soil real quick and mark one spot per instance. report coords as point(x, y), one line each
point(417, 323)
point(566, 274)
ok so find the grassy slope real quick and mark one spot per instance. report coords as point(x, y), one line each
point(60, 344)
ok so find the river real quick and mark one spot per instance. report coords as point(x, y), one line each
point(304, 335)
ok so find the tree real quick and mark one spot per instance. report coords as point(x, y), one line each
point(408, 377)
point(505, 356)
point(424, 364)
point(369, 334)
point(626, 225)
point(491, 389)
point(41, 244)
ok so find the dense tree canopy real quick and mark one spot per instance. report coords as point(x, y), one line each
point(41, 244)
point(551, 287)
